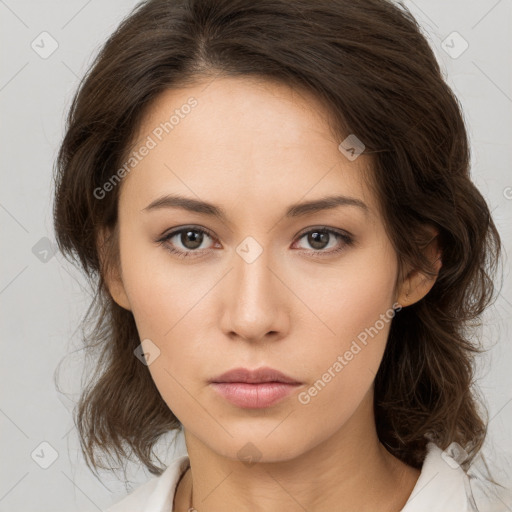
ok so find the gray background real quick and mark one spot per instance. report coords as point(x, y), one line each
point(43, 298)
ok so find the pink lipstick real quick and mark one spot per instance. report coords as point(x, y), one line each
point(254, 389)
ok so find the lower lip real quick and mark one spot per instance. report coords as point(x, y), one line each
point(254, 396)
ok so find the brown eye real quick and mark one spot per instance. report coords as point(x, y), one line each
point(185, 242)
point(318, 239)
point(191, 239)
point(325, 241)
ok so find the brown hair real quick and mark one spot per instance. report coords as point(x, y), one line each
point(370, 65)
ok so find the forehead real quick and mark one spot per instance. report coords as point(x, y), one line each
point(230, 138)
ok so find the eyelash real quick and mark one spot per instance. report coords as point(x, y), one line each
point(347, 239)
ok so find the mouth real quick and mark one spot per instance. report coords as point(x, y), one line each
point(254, 389)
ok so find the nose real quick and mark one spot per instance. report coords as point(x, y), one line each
point(257, 303)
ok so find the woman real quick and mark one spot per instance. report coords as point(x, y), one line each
point(274, 201)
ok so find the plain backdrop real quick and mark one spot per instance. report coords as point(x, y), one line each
point(43, 297)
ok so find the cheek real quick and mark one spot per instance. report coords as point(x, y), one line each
point(356, 310)
point(166, 304)
point(351, 297)
point(157, 295)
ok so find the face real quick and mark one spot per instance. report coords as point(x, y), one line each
point(268, 282)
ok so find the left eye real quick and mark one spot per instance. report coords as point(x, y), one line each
point(319, 238)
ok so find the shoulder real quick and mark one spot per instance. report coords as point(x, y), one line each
point(157, 494)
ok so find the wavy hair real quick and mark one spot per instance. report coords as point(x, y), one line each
point(373, 69)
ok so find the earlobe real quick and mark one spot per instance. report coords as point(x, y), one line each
point(112, 277)
point(416, 285)
point(118, 292)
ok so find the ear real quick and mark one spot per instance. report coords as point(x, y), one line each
point(416, 285)
point(112, 276)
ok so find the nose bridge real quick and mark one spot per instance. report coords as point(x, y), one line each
point(254, 306)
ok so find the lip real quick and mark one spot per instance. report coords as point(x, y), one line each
point(254, 389)
point(257, 376)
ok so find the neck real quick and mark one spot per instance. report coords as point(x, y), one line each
point(349, 471)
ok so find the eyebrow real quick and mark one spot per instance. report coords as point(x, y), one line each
point(295, 210)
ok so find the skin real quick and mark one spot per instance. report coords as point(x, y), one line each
point(254, 148)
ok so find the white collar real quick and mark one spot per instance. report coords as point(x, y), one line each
point(442, 486)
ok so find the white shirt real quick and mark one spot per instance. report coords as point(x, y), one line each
point(441, 487)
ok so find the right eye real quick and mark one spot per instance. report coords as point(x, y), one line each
point(190, 238)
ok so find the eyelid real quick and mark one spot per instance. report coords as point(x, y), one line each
point(337, 231)
point(179, 229)
point(174, 231)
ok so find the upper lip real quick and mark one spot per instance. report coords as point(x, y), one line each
point(259, 375)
